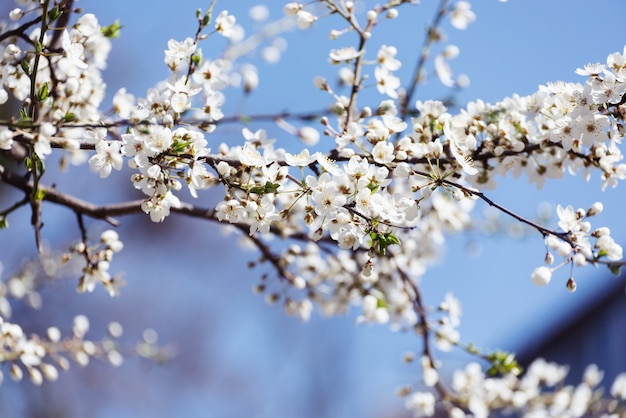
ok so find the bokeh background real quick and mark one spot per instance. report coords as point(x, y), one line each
point(189, 281)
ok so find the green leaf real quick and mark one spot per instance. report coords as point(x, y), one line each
point(392, 239)
point(616, 269)
point(25, 66)
point(41, 193)
point(206, 19)
point(24, 118)
point(43, 92)
point(41, 166)
point(4, 223)
point(54, 13)
point(503, 362)
point(69, 117)
point(268, 187)
point(179, 147)
point(271, 187)
point(382, 241)
point(113, 30)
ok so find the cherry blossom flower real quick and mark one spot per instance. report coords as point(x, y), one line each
point(383, 152)
point(302, 159)
point(346, 54)
point(107, 157)
point(462, 15)
point(290, 9)
point(421, 403)
point(387, 58)
point(6, 138)
point(386, 82)
point(251, 157)
point(305, 19)
point(43, 144)
point(178, 51)
point(224, 24)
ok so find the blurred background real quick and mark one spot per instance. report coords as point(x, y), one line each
point(237, 356)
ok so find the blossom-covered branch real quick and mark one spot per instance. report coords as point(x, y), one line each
point(357, 223)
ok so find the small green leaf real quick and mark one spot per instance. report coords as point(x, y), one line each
point(373, 187)
point(24, 118)
point(179, 147)
point(113, 30)
point(25, 66)
point(54, 13)
point(41, 193)
point(503, 362)
point(382, 241)
point(4, 223)
point(271, 187)
point(616, 269)
point(268, 187)
point(41, 166)
point(43, 92)
point(69, 117)
point(28, 164)
point(392, 239)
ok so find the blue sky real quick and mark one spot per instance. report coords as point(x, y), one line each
point(249, 359)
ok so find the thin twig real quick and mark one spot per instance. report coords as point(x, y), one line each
point(424, 53)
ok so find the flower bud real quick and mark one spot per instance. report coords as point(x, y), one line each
point(308, 135)
point(35, 376)
point(16, 372)
point(292, 8)
point(571, 285)
point(541, 276)
point(16, 14)
point(392, 13)
point(595, 209)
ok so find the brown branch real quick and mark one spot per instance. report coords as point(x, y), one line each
point(418, 306)
point(19, 31)
point(543, 230)
point(424, 52)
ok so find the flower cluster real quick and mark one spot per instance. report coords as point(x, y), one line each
point(69, 84)
point(42, 358)
point(540, 392)
point(97, 262)
point(574, 243)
